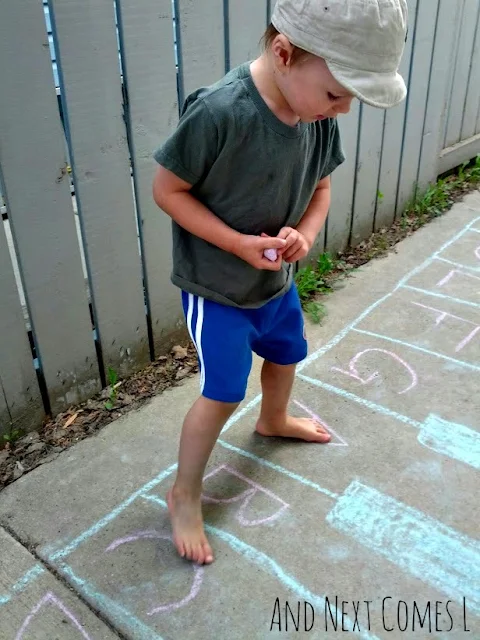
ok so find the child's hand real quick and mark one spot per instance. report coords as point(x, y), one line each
point(296, 247)
point(252, 250)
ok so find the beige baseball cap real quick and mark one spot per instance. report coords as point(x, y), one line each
point(361, 41)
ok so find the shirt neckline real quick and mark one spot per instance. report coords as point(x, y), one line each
point(267, 114)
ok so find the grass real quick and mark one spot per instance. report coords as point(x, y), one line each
point(318, 279)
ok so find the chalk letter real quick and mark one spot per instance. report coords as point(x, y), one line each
point(450, 275)
point(353, 372)
point(245, 498)
point(444, 314)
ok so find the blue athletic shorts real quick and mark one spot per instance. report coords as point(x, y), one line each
point(225, 338)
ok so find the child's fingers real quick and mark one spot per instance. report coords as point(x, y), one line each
point(292, 250)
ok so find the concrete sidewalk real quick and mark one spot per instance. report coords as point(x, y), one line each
point(382, 524)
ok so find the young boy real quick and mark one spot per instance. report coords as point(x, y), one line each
point(246, 181)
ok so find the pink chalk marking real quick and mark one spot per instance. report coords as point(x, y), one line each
point(353, 373)
point(49, 598)
point(314, 416)
point(444, 314)
point(246, 496)
point(197, 571)
point(466, 340)
point(450, 275)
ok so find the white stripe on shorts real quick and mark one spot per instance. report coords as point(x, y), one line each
point(196, 334)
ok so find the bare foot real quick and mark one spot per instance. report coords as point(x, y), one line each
point(187, 524)
point(299, 428)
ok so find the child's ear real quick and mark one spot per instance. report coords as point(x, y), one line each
point(282, 50)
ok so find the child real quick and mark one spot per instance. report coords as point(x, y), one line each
point(246, 172)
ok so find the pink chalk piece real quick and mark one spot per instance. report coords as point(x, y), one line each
point(49, 598)
point(271, 254)
point(353, 372)
point(197, 571)
point(314, 416)
point(477, 252)
point(245, 497)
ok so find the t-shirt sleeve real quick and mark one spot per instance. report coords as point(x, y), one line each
point(335, 155)
point(192, 148)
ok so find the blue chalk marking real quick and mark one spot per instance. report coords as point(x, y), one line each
point(363, 401)
point(458, 265)
point(270, 566)
point(58, 555)
point(276, 467)
point(460, 363)
point(457, 236)
point(340, 336)
point(28, 577)
point(443, 296)
point(435, 255)
point(451, 439)
point(419, 544)
point(141, 630)
point(235, 418)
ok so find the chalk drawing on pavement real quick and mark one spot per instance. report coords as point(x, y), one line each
point(197, 570)
point(463, 445)
point(245, 498)
point(50, 599)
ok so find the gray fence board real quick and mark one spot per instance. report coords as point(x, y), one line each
point(32, 158)
point(457, 154)
point(339, 218)
point(472, 101)
point(478, 120)
point(392, 139)
point(246, 22)
point(101, 167)
point(461, 72)
point(20, 400)
point(203, 42)
point(417, 102)
point(149, 65)
point(368, 167)
point(444, 50)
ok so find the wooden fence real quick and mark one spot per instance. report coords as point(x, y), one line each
point(85, 280)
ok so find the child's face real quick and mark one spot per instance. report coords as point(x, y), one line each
point(308, 87)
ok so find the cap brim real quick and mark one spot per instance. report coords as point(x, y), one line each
point(380, 90)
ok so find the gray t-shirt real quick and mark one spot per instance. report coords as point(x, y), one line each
point(254, 172)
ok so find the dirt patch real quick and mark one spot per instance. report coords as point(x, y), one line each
point(80, 422)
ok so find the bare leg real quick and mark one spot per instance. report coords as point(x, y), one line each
point(277, 383)
point(201, 428)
